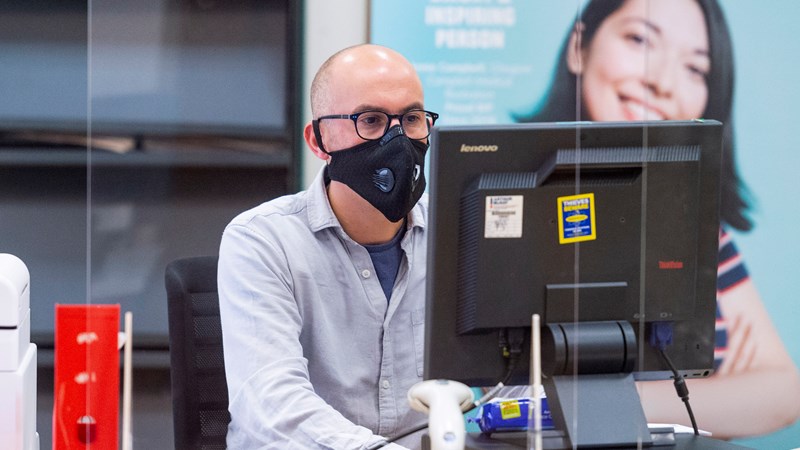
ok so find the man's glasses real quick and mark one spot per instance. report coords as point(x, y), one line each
point(372, 125)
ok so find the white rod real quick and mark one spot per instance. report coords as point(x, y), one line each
point(127, 367)
point(536, 385)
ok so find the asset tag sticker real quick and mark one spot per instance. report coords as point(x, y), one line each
point(576, 218)
point(503, 216)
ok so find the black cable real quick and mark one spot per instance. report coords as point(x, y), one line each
point(681, 389)
point(398, 437)
point(511, 342)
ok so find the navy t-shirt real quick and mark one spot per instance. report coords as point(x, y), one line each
point(386, 259)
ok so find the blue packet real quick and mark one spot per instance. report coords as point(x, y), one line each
point(509, 415)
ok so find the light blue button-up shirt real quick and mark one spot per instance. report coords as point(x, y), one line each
point(315, 356)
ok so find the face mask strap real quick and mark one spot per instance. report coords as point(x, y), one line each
point(318, 135)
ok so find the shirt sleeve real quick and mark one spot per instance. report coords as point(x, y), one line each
point(272, 402)
point(731, 272)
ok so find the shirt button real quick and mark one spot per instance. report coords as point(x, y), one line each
point(385, 384)
point(365, 273)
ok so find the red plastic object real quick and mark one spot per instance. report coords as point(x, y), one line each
point(86, 389)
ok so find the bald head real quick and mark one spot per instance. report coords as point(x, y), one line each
point(362, 60)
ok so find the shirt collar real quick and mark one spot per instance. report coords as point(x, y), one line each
point(320, 213)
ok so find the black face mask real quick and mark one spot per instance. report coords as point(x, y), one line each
point(388, 173)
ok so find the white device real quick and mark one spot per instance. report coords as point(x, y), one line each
point(17, 358)
point(444, 401)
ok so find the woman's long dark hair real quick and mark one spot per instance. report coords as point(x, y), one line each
point(561, 101)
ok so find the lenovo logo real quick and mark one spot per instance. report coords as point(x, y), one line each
point(478, 148)
point(670, 264)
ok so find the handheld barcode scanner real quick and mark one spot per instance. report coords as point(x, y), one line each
point(444, 401)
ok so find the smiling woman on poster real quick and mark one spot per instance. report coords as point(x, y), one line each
point(673, 59)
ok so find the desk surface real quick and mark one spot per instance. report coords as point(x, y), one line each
point(501, 441)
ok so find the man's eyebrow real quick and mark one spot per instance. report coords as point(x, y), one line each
point(370, 107)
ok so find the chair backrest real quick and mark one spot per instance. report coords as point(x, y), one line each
point(199, 388)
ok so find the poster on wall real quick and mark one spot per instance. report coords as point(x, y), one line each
point(506, 61)
point(472, 56)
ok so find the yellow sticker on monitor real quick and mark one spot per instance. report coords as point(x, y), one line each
point(576, 218)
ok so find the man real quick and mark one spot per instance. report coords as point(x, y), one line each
point(322, 292)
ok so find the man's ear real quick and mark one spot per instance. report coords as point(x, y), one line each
point(575, 51)
point(313, 144)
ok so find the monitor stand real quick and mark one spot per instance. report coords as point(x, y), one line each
point(597, 410)
point(590, 389)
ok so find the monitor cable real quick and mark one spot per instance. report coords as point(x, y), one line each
point(660, 338)
point(511, 342)
point(681, 388)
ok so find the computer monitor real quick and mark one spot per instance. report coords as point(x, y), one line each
point(608, 231)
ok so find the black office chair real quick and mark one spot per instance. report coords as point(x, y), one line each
point(199, 388)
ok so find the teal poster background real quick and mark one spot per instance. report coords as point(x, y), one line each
point(473, 60)
point(471, 77)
